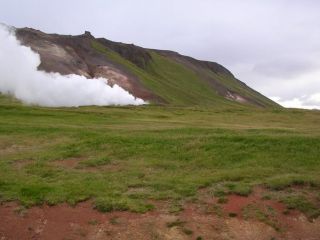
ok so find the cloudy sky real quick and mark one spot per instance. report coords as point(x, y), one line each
point(272, 45)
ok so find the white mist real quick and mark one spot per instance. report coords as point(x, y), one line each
point(20, 77)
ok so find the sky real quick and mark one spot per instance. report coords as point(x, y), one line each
point(271, 45)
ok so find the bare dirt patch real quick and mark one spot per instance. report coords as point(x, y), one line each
point(69, 163)
point(192, 222)
point(20, 164)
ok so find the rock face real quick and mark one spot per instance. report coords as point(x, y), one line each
point(75, 55)
point(137, 55)
point(135, 68)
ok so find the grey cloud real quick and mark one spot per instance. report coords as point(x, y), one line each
point(286, 68)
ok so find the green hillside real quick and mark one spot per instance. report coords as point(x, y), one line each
point(181, 85)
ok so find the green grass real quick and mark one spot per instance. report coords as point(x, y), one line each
point(234, 85)
point(240, 189)
point(266, 215)
point(127, 156)
point(301, 203)
point(172, 81)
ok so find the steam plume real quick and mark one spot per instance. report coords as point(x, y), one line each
point(20, 77)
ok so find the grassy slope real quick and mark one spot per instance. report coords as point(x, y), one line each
point(125, 156)
point(177, 84)
point(234, 85)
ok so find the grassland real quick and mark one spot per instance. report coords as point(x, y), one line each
point(122, 157)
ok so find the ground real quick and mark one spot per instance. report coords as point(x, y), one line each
point(158, 172)
point(240, 217)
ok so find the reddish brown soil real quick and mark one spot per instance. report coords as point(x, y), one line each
point(83, 222)
point(69, 163)
point(237, 203)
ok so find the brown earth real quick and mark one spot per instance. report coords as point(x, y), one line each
point(202, 219)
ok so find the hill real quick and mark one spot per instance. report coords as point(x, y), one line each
point(158, 76)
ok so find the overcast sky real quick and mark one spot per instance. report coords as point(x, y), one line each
point(272, 45)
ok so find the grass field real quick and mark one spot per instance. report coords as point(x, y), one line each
point(122, 157)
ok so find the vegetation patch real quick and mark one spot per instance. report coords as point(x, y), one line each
point(187, 231)
point(109, 205)
point(93, 222)
point(266, 215)
point(177, 223)
point(222, 200)
point(233, 214)
point(302, 204)
point(176, 207)
point(239, 189)
point(114, 220)
point(290, 180)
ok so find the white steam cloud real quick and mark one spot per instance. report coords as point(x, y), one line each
point(19, 77)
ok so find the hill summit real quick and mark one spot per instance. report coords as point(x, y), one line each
point(156, 76)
